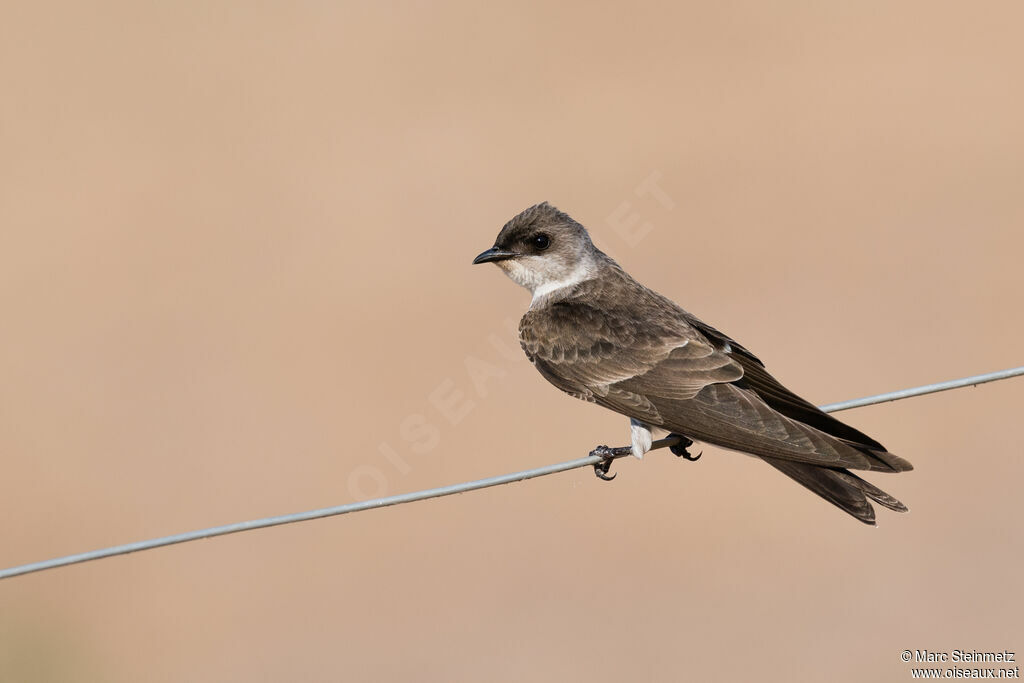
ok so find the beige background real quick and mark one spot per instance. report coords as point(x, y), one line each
point(235, 267)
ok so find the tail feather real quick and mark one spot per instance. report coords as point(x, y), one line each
point(871, 491)
point(840, 487)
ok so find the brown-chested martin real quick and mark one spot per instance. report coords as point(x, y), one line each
point(599, 335)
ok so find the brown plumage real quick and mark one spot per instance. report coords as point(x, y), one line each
point(599, 335)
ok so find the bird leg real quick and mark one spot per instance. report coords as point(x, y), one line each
point(677, 443)
point(607, 455)
point(681, 446)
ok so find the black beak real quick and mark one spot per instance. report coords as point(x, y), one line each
point(494, 254)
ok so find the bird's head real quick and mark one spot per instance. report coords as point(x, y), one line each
point(543, 249)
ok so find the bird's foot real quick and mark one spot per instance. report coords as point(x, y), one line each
point(680, 449)
point(607, 456)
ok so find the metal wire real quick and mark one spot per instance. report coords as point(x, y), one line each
point(926, 389)
point(403, 498)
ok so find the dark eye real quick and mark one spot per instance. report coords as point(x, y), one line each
point(541, 241)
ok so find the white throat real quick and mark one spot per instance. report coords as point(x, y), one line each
point(583, 271)
point(537, 275)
